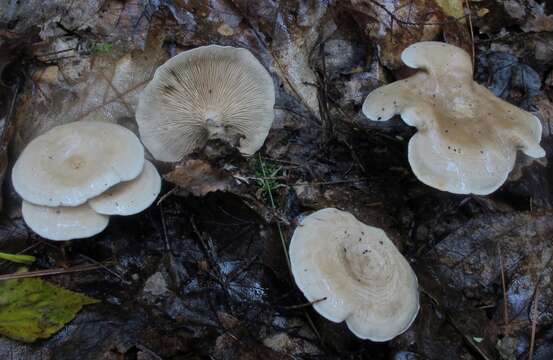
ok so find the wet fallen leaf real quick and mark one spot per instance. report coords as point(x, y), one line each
point(21, 259)
point(472, 259)
point(198, 178)
point(508, 78)
point(530, 14)
point(292, 40)
point(102, 84)
point(396, 24)
point(33, 309)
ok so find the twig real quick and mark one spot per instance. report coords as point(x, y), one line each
point(118, 93)
point(471, 32)
point(114, 273)
point(218, 277)
point(292, 307)
point(166, 195)
point(404, 22)
point(534, 318)
point(282, 161)
point(55, 52)
point(148, 351)
point(50, 272)
point(313, 327)
point(504, 287)
point(453, 323)
point(322, 90)
point(123, 94)
point(332, 182)
point(164, 228)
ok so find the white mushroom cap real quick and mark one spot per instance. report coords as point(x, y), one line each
point(63, 223)
point(358, 270)
point(206, 93)
point(130, 197)
point(467, 137)
point(72, 163)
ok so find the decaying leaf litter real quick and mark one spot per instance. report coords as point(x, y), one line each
point(205, 274)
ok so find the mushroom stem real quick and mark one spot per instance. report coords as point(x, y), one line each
point(214, 127)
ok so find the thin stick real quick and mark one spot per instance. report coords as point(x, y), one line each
point(503, 285)
point(292, 307)
point(149, 352)
point(534, 317)
point(471, 32)
point(467, 338)
point(96, 262)
point(166, 195)
point(50, 272)
point(332, 182)
point(313, 327)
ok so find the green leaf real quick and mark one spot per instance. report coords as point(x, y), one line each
point(102, 47)
point(32, 309)
point(477, 339)
point(21, 259)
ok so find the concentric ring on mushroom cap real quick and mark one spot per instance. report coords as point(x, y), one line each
point(72, 163)
point(204, 93)
point(467, 137)
point(130, 197)
point(63, 223)
point(364, 278)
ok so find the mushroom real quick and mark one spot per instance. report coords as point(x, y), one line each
point(72, 163)
point(130, 197)
point(206, 93)
point(63, 223)
point(467, 137)
point(354, 273)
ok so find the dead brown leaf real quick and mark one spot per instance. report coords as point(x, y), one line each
point(396, 24)
point(198, 177)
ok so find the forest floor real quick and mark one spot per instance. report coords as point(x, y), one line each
point(203, 273)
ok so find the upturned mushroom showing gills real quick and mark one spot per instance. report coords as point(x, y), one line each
point(354, 273)
point(467, 138)
point(72, 163)
point(210, 92)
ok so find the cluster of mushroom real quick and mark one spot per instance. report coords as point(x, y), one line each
point(74, 176)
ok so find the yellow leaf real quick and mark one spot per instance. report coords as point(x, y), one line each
point(453, 8)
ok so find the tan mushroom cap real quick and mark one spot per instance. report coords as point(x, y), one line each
point(63, 223)
point(72, 163)
point(130, 197)
point(205, 93)
point(467, 137)
point(364, 278)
